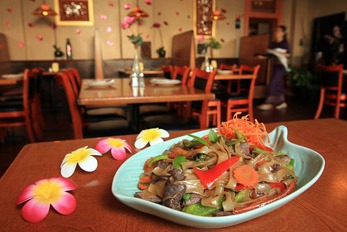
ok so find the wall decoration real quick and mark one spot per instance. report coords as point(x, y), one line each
point(203, 12)
point(74, 12)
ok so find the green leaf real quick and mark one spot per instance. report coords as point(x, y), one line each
point(178, 160)
point(157, 158)
point(212, 136)
point(200, 140)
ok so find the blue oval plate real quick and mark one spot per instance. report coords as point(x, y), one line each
point(309, 166)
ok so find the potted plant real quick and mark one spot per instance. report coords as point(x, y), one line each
point(303, 82)
point(161, 50)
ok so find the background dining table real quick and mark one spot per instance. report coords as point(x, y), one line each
point(321, 208)
point(119, 93)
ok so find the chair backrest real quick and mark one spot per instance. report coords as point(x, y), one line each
point(168, 71)
point(77, 77)
point(73, 81)
point(250, 70)
point(201, 79)
point(332, 78)
point(25, 90)
point(65, 80)
point(181, 73)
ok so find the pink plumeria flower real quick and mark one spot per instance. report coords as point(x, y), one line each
point(152, 136)
point(83, 157)
point(117, 146)
point(44, 193)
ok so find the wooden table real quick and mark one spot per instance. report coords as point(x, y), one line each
point(122, 93)
point(220, 77)
point(320, 208)
point(154, 72)
point(11, 81)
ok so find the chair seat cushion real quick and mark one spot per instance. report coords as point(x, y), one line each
point(170, 122)
point(153, 109)
point(104, 113)
point(107, 128)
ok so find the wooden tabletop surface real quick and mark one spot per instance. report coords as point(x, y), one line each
point(320, 208)
point(145, 71)
point(121, 93)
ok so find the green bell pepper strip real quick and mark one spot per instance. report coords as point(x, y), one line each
point(208, 177)
point(157, 158)
point(200, 210)
point(178, 160)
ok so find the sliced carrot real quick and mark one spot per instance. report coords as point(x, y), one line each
point(144, 182)
point(253, 131)
point(146, 167)
point(176, 151)
point(143, 186)
point(261, 162)
point(246, 175)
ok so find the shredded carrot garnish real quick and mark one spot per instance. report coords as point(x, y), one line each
point(254, 132)
point(246, 175)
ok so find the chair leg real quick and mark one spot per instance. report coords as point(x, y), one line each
point(320, 104)
point(29, 129)
point(250, 111)
point(219, 112)
point(337, 106)
point(228, 112)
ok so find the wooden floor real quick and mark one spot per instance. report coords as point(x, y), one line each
point(58, 126)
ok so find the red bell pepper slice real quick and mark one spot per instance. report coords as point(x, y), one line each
point(208, 177)
point(279, 185)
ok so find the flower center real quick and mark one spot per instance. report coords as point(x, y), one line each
point(151, 134)
point(48, 192)
point(78, 155)
point(117, 143)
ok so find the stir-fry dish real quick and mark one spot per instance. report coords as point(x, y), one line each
point(227, 172)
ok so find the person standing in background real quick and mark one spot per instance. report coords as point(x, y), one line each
point(333, 51)
point(276, 97)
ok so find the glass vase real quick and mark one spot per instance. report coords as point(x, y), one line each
point(137, 77)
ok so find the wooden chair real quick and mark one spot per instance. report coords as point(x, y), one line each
point(94, 114)
point(235, 70)
point(158, 108)
point(82, 129)
point(181, 73)
point(168, 71)
point(16, 114)
point(243, 101)
point(333, 90)
point(201, 79)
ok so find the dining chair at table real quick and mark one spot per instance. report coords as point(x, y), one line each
point(181, 73)
point(158, 108)
point(168, 71)
point(233, 68)
point(82, 129)
point(333, 91)
point(242, 101)
point(199, 80)
point(94, 114)
point(17, 113)
point(203, 80)
point(15, 97)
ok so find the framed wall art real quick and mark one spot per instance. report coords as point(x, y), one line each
point(74, 12)
point(203, 10)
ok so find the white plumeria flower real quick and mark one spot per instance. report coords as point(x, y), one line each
point(83, 157)
point(152, 136)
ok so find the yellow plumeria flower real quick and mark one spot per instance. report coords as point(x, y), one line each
point(152, 136)
point(83, 157)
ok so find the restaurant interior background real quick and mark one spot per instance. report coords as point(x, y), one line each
point(30, 38)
